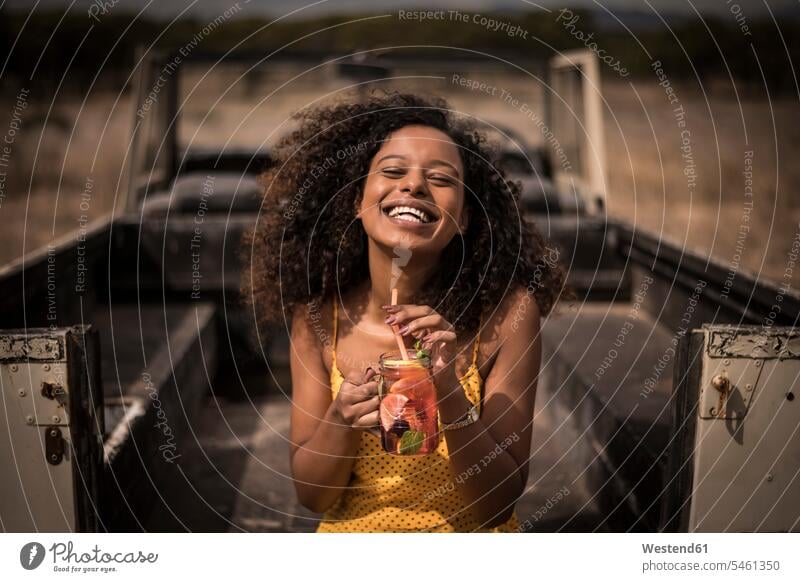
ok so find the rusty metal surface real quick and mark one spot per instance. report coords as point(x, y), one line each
point(18, 346)
point(753, 341)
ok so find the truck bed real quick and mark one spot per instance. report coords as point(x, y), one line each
point(591, 443)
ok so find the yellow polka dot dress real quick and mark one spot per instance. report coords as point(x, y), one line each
point(391, 493)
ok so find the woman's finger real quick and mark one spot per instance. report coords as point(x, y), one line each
point(355, 378)
point(359, 392)
point(370, 389)
point(369, 373)
point(434, 322)
point(419, 333)
point(366, 407)
point(446, 336)
point(368, 420)
point(399, 314)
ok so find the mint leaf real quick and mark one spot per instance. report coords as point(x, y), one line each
point(411, 442)
point(421, 353)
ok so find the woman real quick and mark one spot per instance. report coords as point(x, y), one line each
point(388, 193)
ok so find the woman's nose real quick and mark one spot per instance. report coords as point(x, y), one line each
point(414, 183)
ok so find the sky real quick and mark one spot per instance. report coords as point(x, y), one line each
point(273, 8)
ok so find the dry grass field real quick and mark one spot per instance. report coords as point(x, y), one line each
point(74, 149)
point(647, 185)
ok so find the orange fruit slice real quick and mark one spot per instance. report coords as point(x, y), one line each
point(409, 382)
point(391, 409)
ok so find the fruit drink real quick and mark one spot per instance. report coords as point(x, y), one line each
point(408, 412)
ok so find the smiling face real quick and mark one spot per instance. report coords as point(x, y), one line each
point(414, 193)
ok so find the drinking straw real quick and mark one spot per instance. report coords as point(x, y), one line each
point(395, 329)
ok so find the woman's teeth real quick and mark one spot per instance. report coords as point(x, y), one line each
point(409, 214)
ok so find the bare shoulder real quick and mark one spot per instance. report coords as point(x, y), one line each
point(311, 327)
point(516, 319)
point(520, 312)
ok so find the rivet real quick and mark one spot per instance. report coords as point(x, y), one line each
point(726, 362)
point(56, 419)
point(21, 392)
point(713, 411)
point(54, 457)
point(14, 367)
point(748, 387)
point(29, 419)
point(46, 367)
point(758, 363)
point(769, 477)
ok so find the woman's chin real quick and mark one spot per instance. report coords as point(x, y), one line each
point(416, 242)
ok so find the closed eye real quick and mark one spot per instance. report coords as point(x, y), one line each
point(437, 179)
point(442, 180)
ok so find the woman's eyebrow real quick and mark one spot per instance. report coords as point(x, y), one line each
point(443, 163)
point(391, 156)
point(432, 162)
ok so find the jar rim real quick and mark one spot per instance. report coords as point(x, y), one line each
point(395, 360)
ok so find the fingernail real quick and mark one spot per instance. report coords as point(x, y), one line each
point(403, 330)
point(391, 319)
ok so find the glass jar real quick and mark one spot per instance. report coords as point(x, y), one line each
point(408, 413)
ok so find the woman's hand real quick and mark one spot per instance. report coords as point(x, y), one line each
point(356, 404)
point(438, 335)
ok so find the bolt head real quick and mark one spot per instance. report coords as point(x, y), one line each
point(770, 477)
point(56, 419)
point(14, 367)
point(721, 383)
point(29, 419)
point(21, 392)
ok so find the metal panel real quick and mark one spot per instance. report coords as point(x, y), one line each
point(50, 435)
point(746, 461)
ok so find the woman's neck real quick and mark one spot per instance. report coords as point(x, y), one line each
point(399, 269)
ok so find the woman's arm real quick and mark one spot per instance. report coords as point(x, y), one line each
point(489, 458)
point(497, 447)
point(325, 434)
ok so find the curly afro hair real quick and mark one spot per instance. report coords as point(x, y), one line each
point(308, 244)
